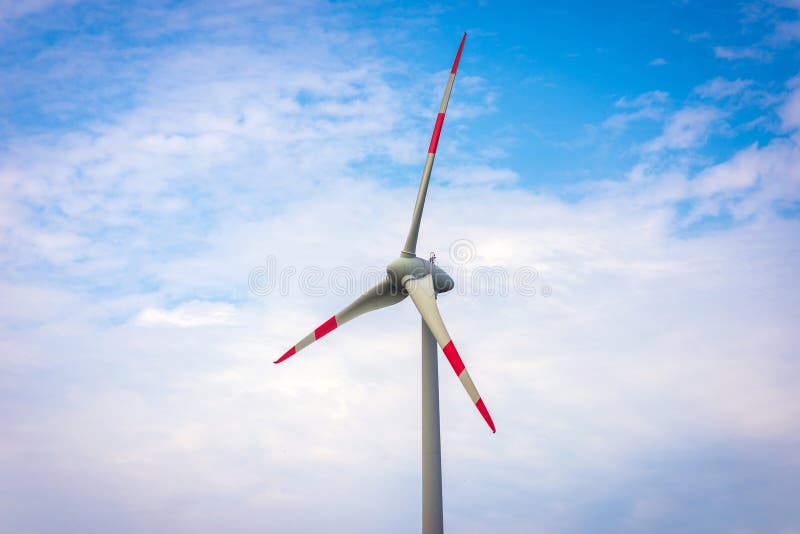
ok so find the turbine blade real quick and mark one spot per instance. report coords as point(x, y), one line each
point(379, 296)
point(410, 248)
point(421, 292)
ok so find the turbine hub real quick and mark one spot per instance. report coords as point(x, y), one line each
point(403, 267)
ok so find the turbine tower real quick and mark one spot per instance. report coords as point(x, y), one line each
point(422, 280)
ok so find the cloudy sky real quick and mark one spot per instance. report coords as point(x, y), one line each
point(187, 188)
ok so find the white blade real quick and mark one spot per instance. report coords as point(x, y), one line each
point(380, 296)
point(410, 247)
point(421, 292)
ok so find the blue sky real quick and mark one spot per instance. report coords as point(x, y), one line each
point(643, 160)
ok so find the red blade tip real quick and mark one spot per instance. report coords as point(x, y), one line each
point(288, 353)
point(458, 54)
point(485, 413)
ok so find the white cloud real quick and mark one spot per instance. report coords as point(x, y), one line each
point(188, 315)
point(686, 128)
point(740, 172)
point(657, 62)
point(786, 32)
point(734, 53)
point(14, 9)
point(478, 175)
point(718, 88)
point(620, 121)
point(783, 29)
point(789, 112)
point(774, 168)
point(754, 183)
point(647, 99)
point(647, 106)
point(787, 3)
point(699, 36)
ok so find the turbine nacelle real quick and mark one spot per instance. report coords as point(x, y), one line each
point(405, 268)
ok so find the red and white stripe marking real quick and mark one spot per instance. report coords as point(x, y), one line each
point(437, 127)
point(375, 298)
point(461, 371)
point(325, 328)
point(424, 297)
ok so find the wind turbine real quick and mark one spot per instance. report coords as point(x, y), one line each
point(409, 275)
